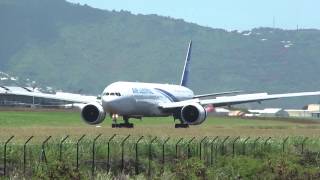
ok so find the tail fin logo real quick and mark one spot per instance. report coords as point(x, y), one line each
point(186, 69)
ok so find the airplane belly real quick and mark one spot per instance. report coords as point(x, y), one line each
point(120, 106)
point(132, 106)
point(147, 108)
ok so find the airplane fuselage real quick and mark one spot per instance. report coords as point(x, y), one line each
point(141, 99)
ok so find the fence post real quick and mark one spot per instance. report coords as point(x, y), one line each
point(163, 144)
point(5, 156)
point(255, 142)
point(25, 154)
point(284, 142)
point(233, 144)
point(108, 155)
point(244, 145)
point(200, 145)
point(212, 143)
point(93, 154)
point(137, 159)
point(222, 144)
point(302, 144)
point(78, 150)
point(150, 155)
point(265, 143)
point(122, 152)
point(43, 152)
point(188, 145)
point(206, 148)
point(216, 150)
point(60, 147)
point(177, 147)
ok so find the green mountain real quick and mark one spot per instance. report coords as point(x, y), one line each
point(72, 47)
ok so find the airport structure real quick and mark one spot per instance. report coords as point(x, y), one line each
point(28, 97)
point(270, 112)
point(312, 111)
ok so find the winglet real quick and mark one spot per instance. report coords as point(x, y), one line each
point(186, 69)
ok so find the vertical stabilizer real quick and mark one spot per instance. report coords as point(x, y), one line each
point(186, 69)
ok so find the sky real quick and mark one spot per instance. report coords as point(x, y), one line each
point(226, 14)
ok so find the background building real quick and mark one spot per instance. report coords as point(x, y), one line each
point(24, 96)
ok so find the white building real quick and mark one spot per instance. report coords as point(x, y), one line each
point(299, 113)
point(314, 107)
point(220, 112)
point(268, 112)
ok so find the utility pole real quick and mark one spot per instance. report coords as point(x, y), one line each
point(273, 22)
point(33, 88)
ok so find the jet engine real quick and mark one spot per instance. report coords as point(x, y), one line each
point(193, 114)
point(93, 113)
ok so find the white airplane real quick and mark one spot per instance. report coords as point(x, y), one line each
point(137, 100)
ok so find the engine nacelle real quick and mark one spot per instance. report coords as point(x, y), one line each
point(93, 113)
point(193, 114)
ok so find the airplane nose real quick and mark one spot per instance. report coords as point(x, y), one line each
point(109, 103)
point(108, 98)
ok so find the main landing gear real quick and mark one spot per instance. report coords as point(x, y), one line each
point(181, 125)
point(126, 123)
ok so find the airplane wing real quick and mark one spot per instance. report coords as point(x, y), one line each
point(237, 99)
point(216, 94)
point(68, 97)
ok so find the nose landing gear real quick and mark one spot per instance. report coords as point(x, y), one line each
point(181, 124)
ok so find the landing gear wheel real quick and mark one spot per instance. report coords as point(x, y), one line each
point(181, 125)
point(123, 125)
point(126, 124)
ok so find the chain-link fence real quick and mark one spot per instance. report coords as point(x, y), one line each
point(133, 155)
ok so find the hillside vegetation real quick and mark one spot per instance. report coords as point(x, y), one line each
point(74, 47)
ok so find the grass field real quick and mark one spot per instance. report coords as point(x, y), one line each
point(58, 124)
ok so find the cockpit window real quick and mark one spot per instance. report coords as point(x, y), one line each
point(112, 94)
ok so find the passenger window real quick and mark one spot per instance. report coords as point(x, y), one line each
point(135, 90)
